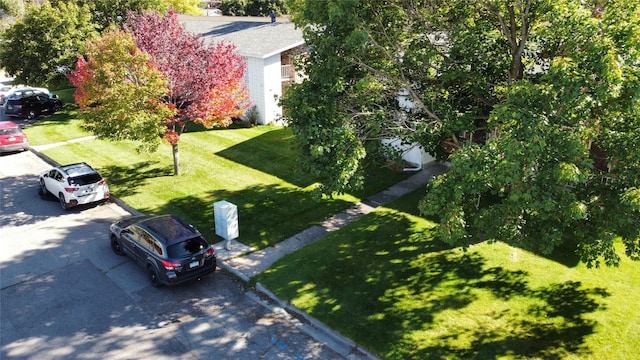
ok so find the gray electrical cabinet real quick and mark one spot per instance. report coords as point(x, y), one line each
point(226, 217)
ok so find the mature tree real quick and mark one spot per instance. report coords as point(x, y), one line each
point(534, 102)
point(204, 83)
point(119, 91)
point(41, 47)
point(189, 7)
point(253, 7)
point(114, 12)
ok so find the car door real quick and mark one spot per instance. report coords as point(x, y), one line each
point(54, 181)
point(129, 240)
point(40, 104)
point(27, 105)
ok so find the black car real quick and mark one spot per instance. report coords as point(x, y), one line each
point(32, 105)
point(171, 250)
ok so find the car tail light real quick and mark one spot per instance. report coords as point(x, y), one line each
point(71, 189)
point(171, 265)
point(102, 182)
point(210, 252)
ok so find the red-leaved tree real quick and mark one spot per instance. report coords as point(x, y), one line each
point(205, 81)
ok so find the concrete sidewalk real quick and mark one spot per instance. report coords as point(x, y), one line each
point(245, 262)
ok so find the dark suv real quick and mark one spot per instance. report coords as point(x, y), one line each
point(171, 250)
point(32, 105)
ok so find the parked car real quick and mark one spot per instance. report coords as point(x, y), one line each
point(4, 91)
point(74, 184)
point(31, 105)
point(12, 138)
point(20, 90)
point(171, 250)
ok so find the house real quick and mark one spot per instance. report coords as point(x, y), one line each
point(268, 48)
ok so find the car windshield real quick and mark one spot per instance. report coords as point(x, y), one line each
point(10, 131)
point(85, 179)
point(186, 248)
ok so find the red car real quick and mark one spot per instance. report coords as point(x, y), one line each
point(12, 138)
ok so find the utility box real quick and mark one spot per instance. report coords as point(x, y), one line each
point(226, 217)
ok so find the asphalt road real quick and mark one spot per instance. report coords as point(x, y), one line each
point(65, 295)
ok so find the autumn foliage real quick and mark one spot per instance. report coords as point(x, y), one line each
point(205, 81)
point(119, 91)
point(148, 81)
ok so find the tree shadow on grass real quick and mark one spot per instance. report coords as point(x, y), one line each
point(127, 179)
point(404, 295)
point(267, 214)
point(272, 153)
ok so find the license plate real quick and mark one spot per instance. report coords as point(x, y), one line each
point(194, 264)
point(12, 138)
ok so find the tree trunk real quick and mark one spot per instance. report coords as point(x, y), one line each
point(176, 159)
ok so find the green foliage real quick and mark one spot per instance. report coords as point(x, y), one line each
point(274, 199)
point(549, 87)
point(106, 13)
point(189, 7)
point(11, 8)
point(386, 282)
point(253, 7)
point(40, 48)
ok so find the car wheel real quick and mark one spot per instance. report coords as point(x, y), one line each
point(63, 203)
point(31, 115)
point(153, 276)
point(115, 246)
point(43, 188)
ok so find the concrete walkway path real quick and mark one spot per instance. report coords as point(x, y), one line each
point(245, 262)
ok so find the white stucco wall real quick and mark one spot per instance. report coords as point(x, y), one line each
point(253, 78)
point(263, 80)
point(272, 89)
point(413, 153)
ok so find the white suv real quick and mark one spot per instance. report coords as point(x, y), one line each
point(74, 184)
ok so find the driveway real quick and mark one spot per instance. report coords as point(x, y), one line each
point(64, 294)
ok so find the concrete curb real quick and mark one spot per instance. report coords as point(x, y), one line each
point(112, 198)
point(320, 331)
point(312, 326)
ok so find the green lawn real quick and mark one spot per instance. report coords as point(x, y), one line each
point(383, 280)
point(386, 283)
point(253, 168)
point(55, 128)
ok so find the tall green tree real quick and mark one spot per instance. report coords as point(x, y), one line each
point(189, 7)
point(106, 13)
point(40, 48)
point(253, 7)
point(548, 91)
